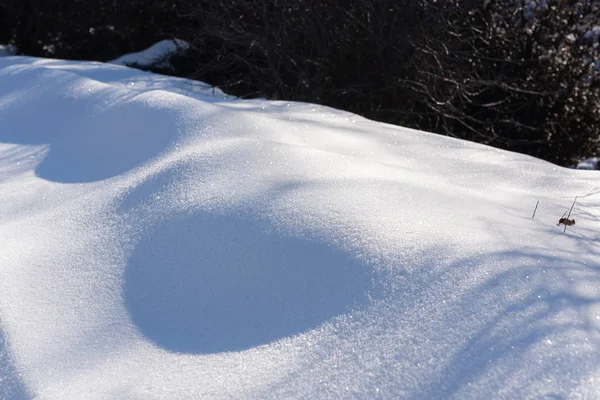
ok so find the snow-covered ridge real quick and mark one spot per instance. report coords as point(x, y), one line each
point(163, 240)
point(156, 55)
point(7, 50)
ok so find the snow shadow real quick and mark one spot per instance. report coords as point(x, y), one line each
point(529, 309)
point(92, 131)
point(117, 141)
point(11, 386)
point(207, 284)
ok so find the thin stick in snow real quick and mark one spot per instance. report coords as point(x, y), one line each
point(572, 205)
point(535, 209)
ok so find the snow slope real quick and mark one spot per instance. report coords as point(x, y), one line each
point(162, 240)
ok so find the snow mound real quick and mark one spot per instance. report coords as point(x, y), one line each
point(156, 55)
point(163, 240)
point(7, 50)
point(589, 164)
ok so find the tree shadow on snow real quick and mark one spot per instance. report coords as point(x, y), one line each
point(528, 307)
point(206, 284)
point(11, 386)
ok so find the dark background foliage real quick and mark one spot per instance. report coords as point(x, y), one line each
point(517, 75)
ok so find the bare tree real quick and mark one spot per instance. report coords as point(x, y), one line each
point(517, 76)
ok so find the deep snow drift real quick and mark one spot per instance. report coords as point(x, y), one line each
point(162, 240)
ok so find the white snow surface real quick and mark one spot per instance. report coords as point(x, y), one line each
point(161, 240)
point(589, 163)
point(7, 50)
point(157, 54)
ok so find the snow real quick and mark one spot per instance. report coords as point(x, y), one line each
point(589, 163)
point(7, 50)
point(156, 55)
point(163, 240)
